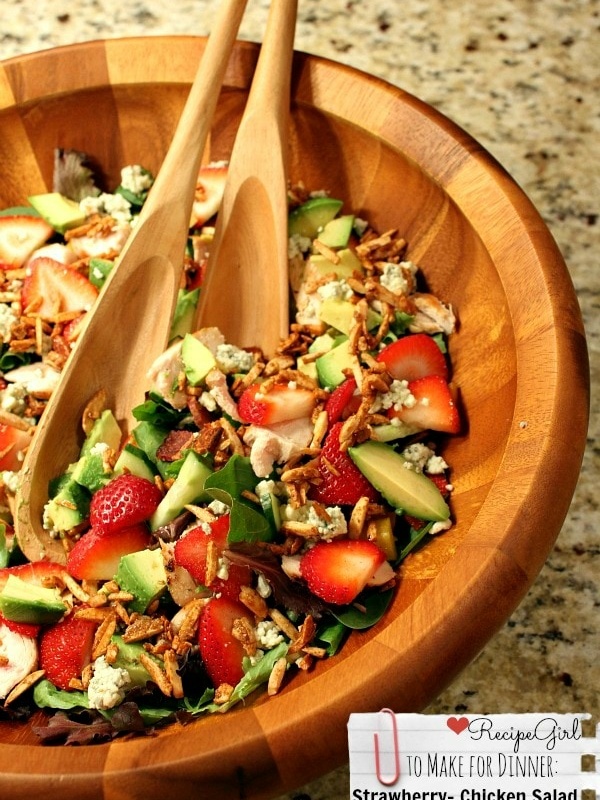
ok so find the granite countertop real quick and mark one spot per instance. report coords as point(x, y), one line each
point(524, 79)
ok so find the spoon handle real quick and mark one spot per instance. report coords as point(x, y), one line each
point(245, 292)
point(130, 322)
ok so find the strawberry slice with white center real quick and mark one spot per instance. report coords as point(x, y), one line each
point(13, 443)
point(209, 193)
point(191, 552)
point(221, 652)
point(339, 570)
point(412, 357)
point(434, 409)
point(96, 556)
point(38, 573)
point(281, 403)
point(51, 287)
point(20, 235)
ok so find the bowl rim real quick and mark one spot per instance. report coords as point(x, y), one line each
point(502, 564)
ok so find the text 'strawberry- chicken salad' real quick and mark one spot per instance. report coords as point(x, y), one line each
point(260, 507)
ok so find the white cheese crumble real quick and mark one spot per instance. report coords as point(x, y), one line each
point(263, 587)
point(208, 401)
point(298, 245)
point(327, 528)
point(335, 290)
point(418, 455)
point(107, 685)
point(268, 634)
point(439, 527)
point(135, 179)
point(9, 479)
point(218, 508)
point(12, 398)
point(99, 449)
point(233, 359)
point(398, 396)
point(436, 465)
point(115, 205)
point(8, 317)
point(394, 279)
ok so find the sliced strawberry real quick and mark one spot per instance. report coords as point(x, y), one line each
point(339, 570)
point(39, 573)
point(414, 356)
point(435, 408)
point(13, 443)
point(342, 402)
point(190, 552)
point(96, 555)
point(342, 482)
point(20, 235)
point(66, 649)
point(51, 287)
point(221, 652)
point(125, 501)
point(73, 328)
point(279, 404)
point(24, 628)
point(209, 194)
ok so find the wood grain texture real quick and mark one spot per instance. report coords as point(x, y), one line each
point(519, 359)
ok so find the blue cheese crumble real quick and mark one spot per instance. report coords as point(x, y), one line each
point(107, 685)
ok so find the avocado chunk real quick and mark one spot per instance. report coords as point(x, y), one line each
point(99, 270)
point(128, 658)
point(68, 506)
point(134, 461)
point(336, 233)
point(92, 471)
point(197, 359)
point(58, 210)
point(404, 489)
point(339, 314)
point(26, 602)
point(311, 217)
point(143, 575)
point(331, 366)
point(187, 488)
point(345, 267)
point(185, 309)
point(105, 430)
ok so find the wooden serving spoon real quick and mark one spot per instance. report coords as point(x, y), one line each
point(130, 322)
point(245, 293)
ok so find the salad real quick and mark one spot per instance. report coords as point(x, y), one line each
point(259, 509)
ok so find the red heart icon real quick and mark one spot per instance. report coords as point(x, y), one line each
point(457, 724)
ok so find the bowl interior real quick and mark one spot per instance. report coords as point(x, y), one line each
point(396, 162)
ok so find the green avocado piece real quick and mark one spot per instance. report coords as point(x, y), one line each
point(128, 658)
point(105, 430)
point(143, 575)
point(134, 461)
point(92, 472)
point(58, 210)
point(348, 263)
point(339, 314)
point(187, 488)
point(69, 505)
point(331, 366)
point(26, 602)
point(99, 270)
point(311, 217)
point(336, 233)
point(404, 489)
point(197, 359)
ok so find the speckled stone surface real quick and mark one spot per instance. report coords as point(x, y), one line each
point(523, 77)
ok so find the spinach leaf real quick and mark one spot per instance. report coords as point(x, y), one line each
point(375, 604)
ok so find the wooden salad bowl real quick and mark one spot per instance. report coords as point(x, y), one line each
point(519, 361)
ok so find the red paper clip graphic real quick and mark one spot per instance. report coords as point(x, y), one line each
point(380, 778)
